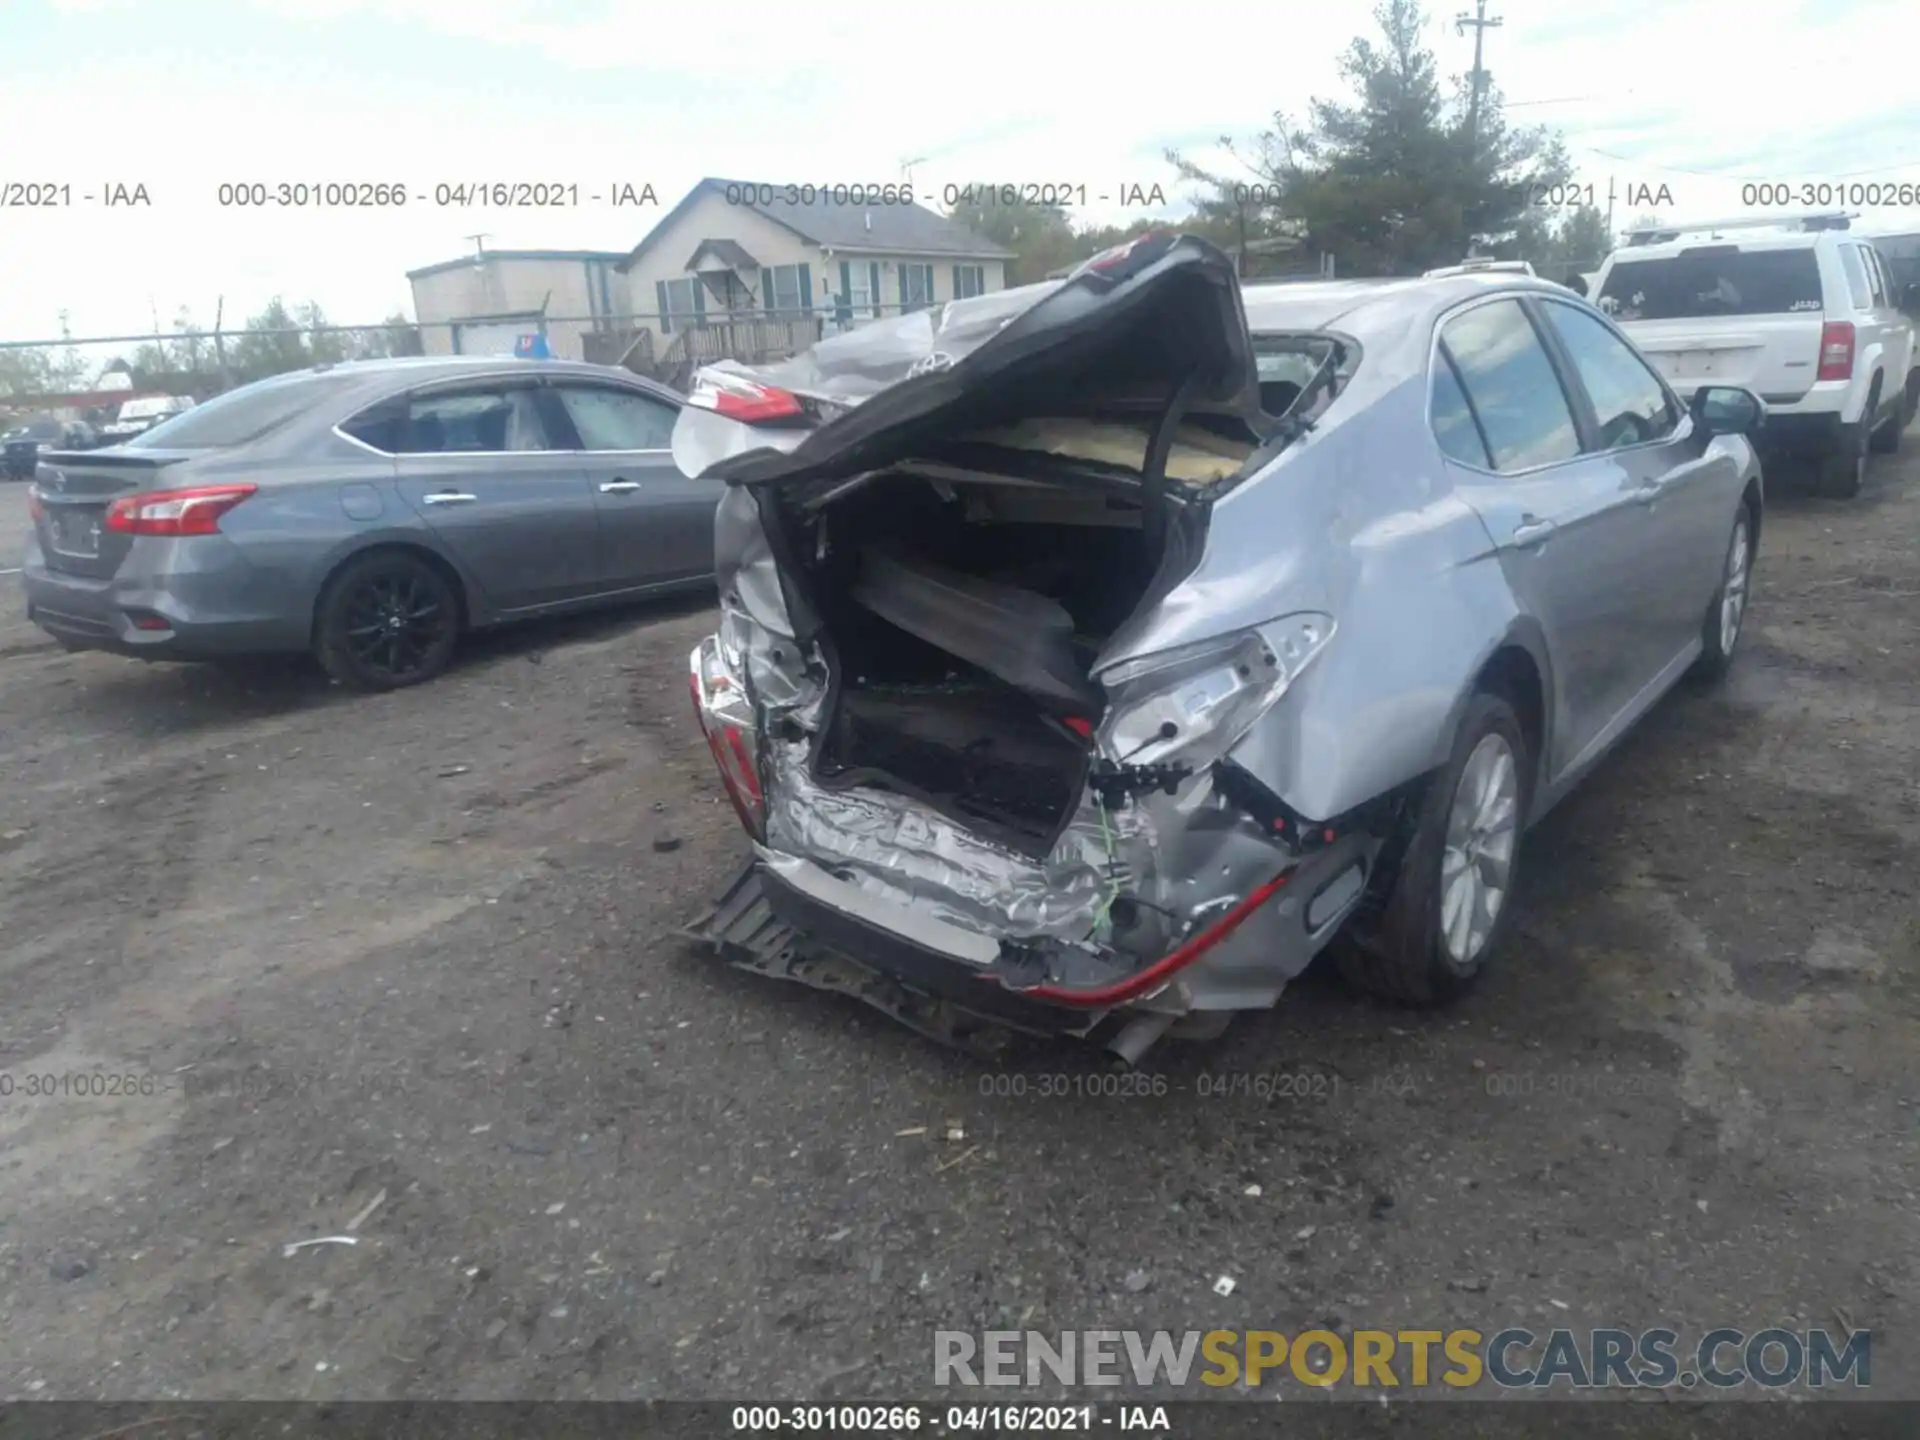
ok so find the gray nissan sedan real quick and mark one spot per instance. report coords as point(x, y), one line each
point(368, 513)
point(1093, 655)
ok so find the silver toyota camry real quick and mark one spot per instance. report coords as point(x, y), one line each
point(369, 514)
point(1092, 655)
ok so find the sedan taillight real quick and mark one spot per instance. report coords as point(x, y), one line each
point(193, 511)
point(725, 713)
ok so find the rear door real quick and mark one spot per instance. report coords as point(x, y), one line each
point(656, 524)
point(1570, 527)
point(1724, 314)
point(481, 467)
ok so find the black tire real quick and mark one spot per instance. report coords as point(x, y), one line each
point(1716, 645)
point(1844, 470)
point(1401, 954)
point(1886, 439)
point(385, 621)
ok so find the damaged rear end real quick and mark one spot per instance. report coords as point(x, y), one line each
point(972, 793)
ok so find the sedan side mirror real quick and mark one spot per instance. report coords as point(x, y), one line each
point(1728, 410)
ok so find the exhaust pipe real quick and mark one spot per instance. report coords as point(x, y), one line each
point(1137, 1037)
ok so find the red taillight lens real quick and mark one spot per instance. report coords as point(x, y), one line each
point(1836, 350)
point(194, 511)
point(745, 400)
point(35, 510)
point(716, 696)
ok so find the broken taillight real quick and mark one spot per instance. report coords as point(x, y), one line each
point(725, 714)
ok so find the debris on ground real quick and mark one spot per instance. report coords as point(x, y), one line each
point(1223, 1286)
point(366, 1211)
point(294, 1247)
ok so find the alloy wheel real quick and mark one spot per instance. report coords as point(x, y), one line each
point(393, 623)
point(1476, 865)
point(1733, 593)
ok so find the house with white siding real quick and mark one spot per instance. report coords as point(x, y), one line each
point(731, 250)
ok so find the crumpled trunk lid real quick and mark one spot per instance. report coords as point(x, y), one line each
point(1141, 318)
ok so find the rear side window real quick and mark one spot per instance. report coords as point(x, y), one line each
point(1859, 288)
point(1512, 385)
point(1713, 280)
point(488, 421)
point(242, 416)
point(1453, 423)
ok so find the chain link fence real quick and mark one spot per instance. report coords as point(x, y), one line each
point(86, 379)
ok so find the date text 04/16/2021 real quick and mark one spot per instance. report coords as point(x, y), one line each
point(950, 1420)
point(1302, 1085)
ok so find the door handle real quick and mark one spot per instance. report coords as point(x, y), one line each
point(449, 497)
point(619, 487)
point(1531, 531)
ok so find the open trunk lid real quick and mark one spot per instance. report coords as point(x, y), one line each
point(74, 488)
point(1157, 317)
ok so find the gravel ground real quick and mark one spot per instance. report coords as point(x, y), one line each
point(411, 961)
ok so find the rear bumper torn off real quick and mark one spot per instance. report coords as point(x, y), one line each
point(767, 923)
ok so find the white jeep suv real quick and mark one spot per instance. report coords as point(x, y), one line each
point(1799, 311)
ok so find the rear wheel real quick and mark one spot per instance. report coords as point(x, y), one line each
point(1450, 905)
point(1844, 470)
point(1886, 440)
point(387, 620)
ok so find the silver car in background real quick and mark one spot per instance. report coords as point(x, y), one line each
point(368, 513)
point(1092, 655)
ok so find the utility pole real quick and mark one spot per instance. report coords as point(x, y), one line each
point(1481, 23)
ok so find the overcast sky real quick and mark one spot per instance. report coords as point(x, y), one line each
point(182, 95)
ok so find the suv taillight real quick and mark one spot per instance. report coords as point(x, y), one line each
point(193, 511)
point(1836, 350)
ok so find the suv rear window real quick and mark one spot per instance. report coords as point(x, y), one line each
point(1713, 280)
point(241, 415)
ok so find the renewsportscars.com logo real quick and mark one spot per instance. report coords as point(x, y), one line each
point(1512, 1359)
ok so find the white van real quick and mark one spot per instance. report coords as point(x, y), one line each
point(135, 417)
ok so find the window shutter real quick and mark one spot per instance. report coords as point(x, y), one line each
point(806, 290)
point(699, 288)
point(873, 287)
point(660, 298)
point(956, 282)
point(843, 311)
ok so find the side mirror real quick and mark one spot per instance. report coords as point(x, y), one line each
point(1728, 410)
point(1576, 285)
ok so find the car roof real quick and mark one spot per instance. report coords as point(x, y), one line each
point(377, 379)
point(1377, 306)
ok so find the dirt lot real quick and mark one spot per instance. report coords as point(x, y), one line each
point(422, 947)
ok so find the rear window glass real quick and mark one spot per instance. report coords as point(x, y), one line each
point(1697, 284)
point(241, 415)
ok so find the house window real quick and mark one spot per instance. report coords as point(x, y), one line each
point(681, 301)
point(786, 291)
point(968, 281)
point(859, 291)
point(916, 287)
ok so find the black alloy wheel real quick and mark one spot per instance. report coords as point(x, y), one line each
point(387, 621)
